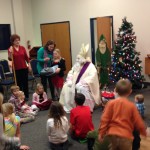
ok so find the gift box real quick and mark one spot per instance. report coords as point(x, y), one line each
point(108, 95)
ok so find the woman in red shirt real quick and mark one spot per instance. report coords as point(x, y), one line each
point(20, 63)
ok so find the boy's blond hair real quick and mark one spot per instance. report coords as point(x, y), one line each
point(14, 87)
point(123, 87)
point(139, 98)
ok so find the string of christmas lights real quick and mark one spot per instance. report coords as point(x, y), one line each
point(125, 59)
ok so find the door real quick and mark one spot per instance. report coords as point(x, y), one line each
point(104, 27)
point(60, 33)
point(99, 26)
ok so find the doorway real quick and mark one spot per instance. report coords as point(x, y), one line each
point(99, 26)
point(60, 33)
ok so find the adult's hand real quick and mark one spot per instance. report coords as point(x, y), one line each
point(46, 59)
point(29, 67)
point(10, 53)
point(69, 83)
point(24, 147)
point(10, 49)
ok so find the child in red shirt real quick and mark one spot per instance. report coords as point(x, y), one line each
point(80, 119)
point(119, 119)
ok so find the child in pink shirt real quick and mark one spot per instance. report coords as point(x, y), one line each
point(40, 98)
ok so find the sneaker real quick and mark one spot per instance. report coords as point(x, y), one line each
point(82, 141)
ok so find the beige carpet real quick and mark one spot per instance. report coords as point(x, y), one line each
point(145, 142)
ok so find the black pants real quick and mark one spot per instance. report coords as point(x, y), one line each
point(1, 89)
point(90, 143)
point(44, 82)
point(61, 146)
point(136, 140)
point(22, 81)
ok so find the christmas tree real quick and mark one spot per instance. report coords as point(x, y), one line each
point(125, 59)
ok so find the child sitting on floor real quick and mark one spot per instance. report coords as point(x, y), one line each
point(26, 108)
point(24, 117)
point(40, 98)
point(5, 140)
point(12, 123)
point(57, 127)
point(80, 119)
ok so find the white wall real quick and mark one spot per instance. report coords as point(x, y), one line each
point(29, 14)
point(5, 18)
point(79, 12)
point(28, 22)
point(18, 14)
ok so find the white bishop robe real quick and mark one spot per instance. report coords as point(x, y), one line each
point(87, 85)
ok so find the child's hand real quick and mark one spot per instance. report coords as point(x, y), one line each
point(148, 132)
point(24, 147)
point(57, 70)
point(100, 138)
point(69, 83)
point(46, 59)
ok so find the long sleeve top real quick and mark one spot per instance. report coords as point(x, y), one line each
point(36, 97)
point(120, 117)
point(61, 64)
point(20, 58)
point(16, 102)
point(57, 135)
point(41, 54)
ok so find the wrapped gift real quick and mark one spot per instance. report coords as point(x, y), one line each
point(108, 95)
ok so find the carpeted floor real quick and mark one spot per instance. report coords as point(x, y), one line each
point(34, 134)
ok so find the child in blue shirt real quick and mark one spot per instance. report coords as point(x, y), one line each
point(139, 101)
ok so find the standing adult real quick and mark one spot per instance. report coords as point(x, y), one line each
point(44, 57)
point(21, 64)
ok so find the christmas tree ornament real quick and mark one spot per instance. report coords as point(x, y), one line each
point(120, 59)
